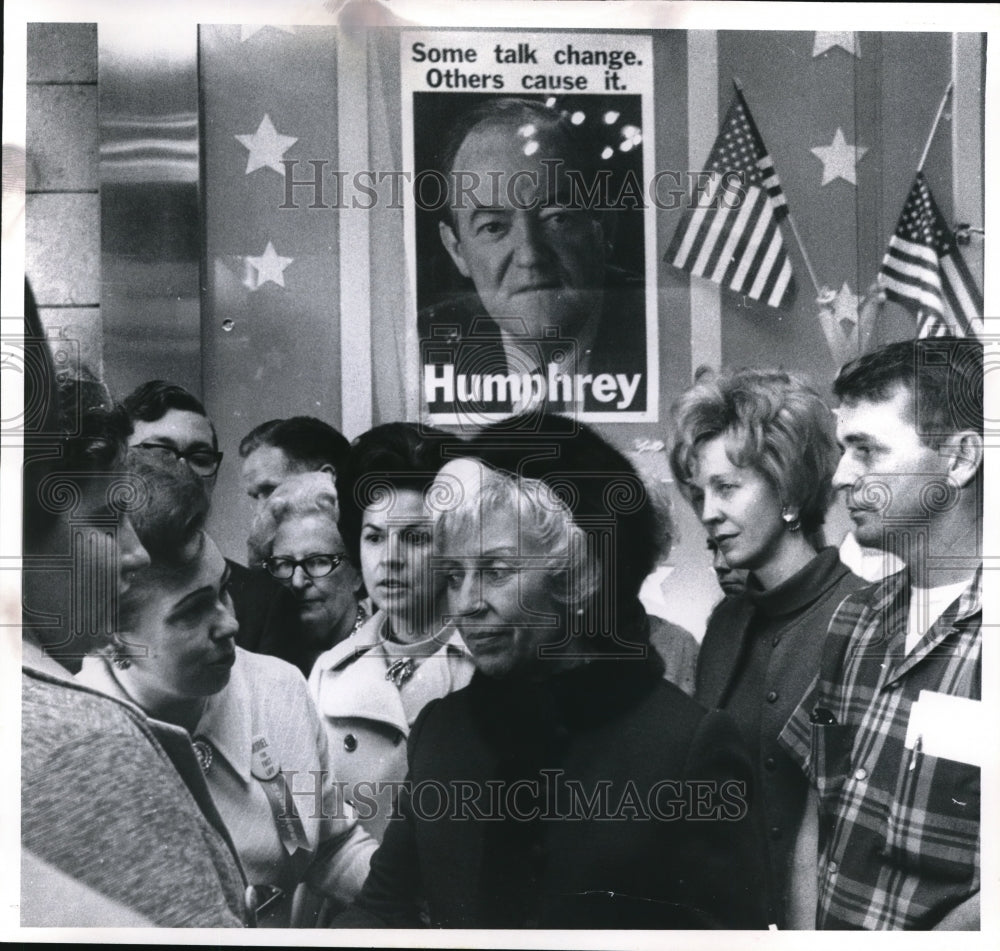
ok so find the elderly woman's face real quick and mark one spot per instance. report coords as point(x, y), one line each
point(324, 603)
point(504, 608)
point(738, 506)
point(183, 627)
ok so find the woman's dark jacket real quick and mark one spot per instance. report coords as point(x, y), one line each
point(633, 806)
point(759, 656)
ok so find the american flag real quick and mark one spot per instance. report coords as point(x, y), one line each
point(732, 237)
point(924, 270)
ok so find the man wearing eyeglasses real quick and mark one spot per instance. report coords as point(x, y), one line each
point(170, 427)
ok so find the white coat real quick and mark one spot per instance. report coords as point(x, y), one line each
point(368, 718)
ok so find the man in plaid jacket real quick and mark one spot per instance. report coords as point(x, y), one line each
point(891, 734)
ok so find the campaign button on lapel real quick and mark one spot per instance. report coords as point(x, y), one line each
point(263, 765)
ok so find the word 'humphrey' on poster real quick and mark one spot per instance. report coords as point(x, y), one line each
point(528, 241)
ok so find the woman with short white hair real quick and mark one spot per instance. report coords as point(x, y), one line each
point(558, 790)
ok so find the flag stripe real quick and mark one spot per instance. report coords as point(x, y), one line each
point(698, 238)
point(757, 201)
point(932, 325)
point(725, 261)
point(956, 298)
point(719, 253)
point(903, 292)
point(781, 259)
point(764, 271)
point(749, 252)
point(920, 279)
point(691, 224)
point(782, 285)
point(911, 250)
point(711, 238)
point(760, 239)
point(956, 273)
point(908, 269)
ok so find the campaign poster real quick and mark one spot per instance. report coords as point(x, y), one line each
point(529, 245)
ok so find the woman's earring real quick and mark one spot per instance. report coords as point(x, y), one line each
point(119, 655)
point(791, 519)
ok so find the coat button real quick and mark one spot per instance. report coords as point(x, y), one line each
point(350, 742)
point(860, 773)
point(770, 764)
point(250, 903)
point(772, 695)
point(775, 832)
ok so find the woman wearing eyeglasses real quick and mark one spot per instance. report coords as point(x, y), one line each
point(370, 687)
point(295, 537)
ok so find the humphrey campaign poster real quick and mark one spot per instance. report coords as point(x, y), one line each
point(530, 248)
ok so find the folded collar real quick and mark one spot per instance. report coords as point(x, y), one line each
point(227, 720)
point(806, 586)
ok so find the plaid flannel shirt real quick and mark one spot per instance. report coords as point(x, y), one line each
point(899, 829)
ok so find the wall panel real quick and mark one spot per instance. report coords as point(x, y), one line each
point(270, 319)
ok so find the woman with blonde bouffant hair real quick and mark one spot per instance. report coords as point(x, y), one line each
point(754, 452)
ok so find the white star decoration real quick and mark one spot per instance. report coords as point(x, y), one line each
point(845, 309)
point(846, 328)
point(839, 159)
point(838, 316)
point(270, 266)
point(266, 146)
point(248, 30)
point(825, 41)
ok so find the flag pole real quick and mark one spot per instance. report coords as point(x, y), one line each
point(937, 119)
point(805, 257)
point(788, 216)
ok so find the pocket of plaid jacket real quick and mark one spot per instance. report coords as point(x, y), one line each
point(831, 756)
point(933, 822)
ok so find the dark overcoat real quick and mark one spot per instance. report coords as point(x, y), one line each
point(760, 654)
point(600, 798)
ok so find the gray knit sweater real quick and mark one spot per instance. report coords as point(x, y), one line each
point(102, 804)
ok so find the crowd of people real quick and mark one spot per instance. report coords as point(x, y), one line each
point(432, 695)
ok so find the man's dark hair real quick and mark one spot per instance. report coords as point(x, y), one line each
point(307, 441)
point(153, 400)
point(579, 155)
point(942, 375)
